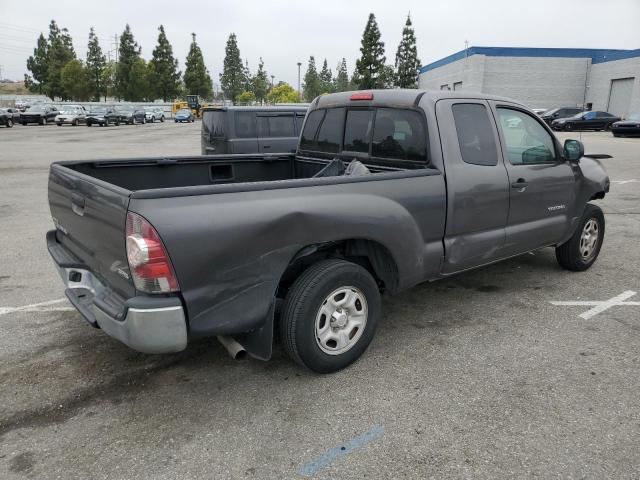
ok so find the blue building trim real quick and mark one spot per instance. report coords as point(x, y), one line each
point(596, 55)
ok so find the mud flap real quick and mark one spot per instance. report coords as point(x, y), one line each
point(259, 343)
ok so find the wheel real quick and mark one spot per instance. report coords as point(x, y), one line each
point(43, 121)
point(24, 123)
point(581, 250)
point(329, 315)
point(9, 123)
point(568, 127)
point(144, 120)
point(616, 135)
point(162, 119)
point(88, 124)
point(117, 124)
point(176, 121)
point(74, 123)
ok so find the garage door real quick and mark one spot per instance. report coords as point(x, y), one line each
point(620, 96)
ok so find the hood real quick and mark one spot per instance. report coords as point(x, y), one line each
point(626, 123)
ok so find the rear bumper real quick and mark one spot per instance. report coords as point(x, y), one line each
point(146, 324)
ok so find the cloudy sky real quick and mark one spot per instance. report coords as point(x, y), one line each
point(284, 32)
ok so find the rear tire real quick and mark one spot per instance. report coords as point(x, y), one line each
point(329, 315)
point(43, 121)
point(9, 123)
point(582, 249)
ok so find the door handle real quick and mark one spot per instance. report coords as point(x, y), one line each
point(521, 183)
point(266, 146)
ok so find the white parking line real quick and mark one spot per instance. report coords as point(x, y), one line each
point(622, 182)
point(599, 307)
point(39, 307)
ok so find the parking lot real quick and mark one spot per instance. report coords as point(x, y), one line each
point(477, 376)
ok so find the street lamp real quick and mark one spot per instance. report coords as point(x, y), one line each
point(299, 65)
point(272, 77)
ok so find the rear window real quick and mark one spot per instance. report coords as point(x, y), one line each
point(213, 123)
point(357, 131)
point(399, 134)
point(330, 133)
point(245, 124)
point(310, 129)
point(475, 135)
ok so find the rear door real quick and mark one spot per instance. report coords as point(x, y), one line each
point(245, 139)
point(276, 132)
point(542, 184)
point(90, 217)
point(477, 184)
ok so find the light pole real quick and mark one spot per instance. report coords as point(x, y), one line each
point(299, 65)
point(272, 77)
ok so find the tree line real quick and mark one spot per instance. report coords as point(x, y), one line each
point(57, 72)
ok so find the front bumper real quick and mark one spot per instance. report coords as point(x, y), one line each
point(146, 324)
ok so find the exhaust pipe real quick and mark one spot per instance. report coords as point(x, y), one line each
point(236, 350)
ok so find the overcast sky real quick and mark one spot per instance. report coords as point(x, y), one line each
point(284, 32)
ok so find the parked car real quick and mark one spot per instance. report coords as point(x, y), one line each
point(154, 113)
point(130, 114)
point(15, 114)
point(251, 129)
point(539, 111)
point(102, 116)
point(557, 113)
point(627, 127)
point(586, 121)
point(363, 207)
point(40, 114)
point(184, 115)
point(6, 118)
point(72, 115)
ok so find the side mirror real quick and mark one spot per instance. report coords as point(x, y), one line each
point(556, 114)
point(573, 150)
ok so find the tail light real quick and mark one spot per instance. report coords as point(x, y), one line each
point(149, 262)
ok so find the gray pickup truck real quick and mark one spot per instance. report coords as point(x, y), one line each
point(387, 189)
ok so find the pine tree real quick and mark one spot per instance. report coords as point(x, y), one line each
point(341, 83)
point(164, 74)
point(96, 63)
point(312, 86)
point(139, 86)
point(370, 65)
point(232, 78)
point(197, 80)
point(407, 63)
point(129, 53)
point(326, 78)
point(60, 52)
point(248, 85)
point(75, 81)
point(260, 83)
point(38, 65)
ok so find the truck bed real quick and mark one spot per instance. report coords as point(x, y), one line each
point(172, 172)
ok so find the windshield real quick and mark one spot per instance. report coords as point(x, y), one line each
point(184, 111)
point(98, 110)
point(124, 108)
point(69, 111)
point(551, 112)
point(36, 109)
point(635, 117)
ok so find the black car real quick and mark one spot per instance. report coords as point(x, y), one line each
point(586, 121)
point(15, 114)
point(629, 126)
point(557, 113)
point(6, 118)
point(101, 116)
point(129, 114)
point(40, 114)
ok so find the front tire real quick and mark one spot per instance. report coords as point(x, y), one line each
point(9, 123)
point(329, 315)
point(582, 249)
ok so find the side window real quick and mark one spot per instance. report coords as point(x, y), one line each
point(307, 140)
point(526, 140)
point(399, 134)
point(246, 124)
point(281, 126)
point(330, 133)
point(590, 115)
point(475, 134)
point(299, 121)
point(357, 130)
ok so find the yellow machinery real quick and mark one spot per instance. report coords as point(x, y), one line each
point(193, 102)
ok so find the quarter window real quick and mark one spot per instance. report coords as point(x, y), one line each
point(246, 125)
point(475, 134)
point(526, 141)
point(276, 126)
point(399, 134)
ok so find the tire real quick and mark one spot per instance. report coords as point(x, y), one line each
point(43, 121)
point(117, 124)
point(144, 120)
point(89, 124)
point(617, 135)
point(58, 124)
point(24, 124)
point(74, 123)
point(571, 255)
point(161, 119)
point(9, 123)
point(568, 127)
point(302, 315)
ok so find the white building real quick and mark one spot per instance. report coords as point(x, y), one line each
point(606, 80)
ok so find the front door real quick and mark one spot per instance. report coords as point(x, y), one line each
point(477, 185)
point(542, 184)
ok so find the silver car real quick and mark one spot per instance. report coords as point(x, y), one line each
point(72, 115)
point(154, 113)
